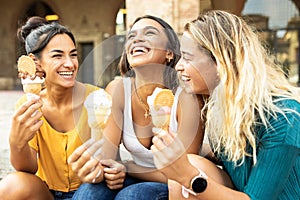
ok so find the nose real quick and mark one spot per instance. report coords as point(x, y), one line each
point(139, 37)
point(179, 65)
point(68, 62)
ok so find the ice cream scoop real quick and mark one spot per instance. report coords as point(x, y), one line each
point(98, 105)
point(33, 87)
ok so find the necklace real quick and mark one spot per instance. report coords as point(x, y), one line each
point(147, 113)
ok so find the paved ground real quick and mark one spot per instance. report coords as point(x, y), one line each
point(7, 103)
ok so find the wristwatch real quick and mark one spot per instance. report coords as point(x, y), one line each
point(198, 185)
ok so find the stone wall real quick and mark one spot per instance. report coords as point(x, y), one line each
point(88, 20)
point(175, 12)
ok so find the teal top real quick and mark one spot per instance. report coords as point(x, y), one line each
point(276, 175)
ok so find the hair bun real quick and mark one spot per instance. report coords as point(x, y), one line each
point(31, 24)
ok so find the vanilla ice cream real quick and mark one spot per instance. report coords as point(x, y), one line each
point(33, 87)
point(98, 105)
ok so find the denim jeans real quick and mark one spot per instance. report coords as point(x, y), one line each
point(133, 189)
point(144, 191)
point(62, 195)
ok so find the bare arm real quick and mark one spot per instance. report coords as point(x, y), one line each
point(166, 148)
point(144, 173)
point(91, 159)
point(113, 130)
point(25, 124)
point(190, 126)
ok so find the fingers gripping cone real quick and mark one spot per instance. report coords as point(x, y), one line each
point(98, 105)
point(31, 87)
point(160, 103)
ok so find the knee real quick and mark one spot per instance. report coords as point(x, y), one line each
point(15, 186)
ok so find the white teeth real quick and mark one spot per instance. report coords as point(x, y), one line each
point(65, 73)
point(184, 78)
point(139, 50)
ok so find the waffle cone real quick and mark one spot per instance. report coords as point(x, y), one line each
point(96, 133)
point(162, 103)
point(161, 121)
point(33, 88)
point(26, 65)
point(164, 98)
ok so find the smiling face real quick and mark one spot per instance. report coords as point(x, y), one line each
point(59, 61)
point(196, 67)
point(146, 43)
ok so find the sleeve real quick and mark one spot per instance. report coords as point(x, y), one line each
point(278, 154)
point(269, 176)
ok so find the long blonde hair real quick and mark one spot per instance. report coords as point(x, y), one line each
point(249, 80)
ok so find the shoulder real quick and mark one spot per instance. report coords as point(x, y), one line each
point(290, 114)
point(189, 108)
point(283, 127)
point(90, 87)
point(116, 89)
point(114, 85)
point(286, 104)
point(193, 102)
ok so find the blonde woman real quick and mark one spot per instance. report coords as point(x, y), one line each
point(252, 117)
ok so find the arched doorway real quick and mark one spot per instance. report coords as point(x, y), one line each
point(35, 9)
point(41, 9)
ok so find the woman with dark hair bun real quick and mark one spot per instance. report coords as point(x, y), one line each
point(31, 24)
point(46, 130)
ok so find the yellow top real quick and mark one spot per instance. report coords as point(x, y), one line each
point(55, 147)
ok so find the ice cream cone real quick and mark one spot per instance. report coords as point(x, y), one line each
point(33, 87)
point(161, 117)
point(98, 106)
point(160, 103)
point(96, 133)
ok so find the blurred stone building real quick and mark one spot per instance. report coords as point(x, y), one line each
point(99, 27)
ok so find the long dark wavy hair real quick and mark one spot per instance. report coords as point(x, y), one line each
point(173, 44)
point(37, 32)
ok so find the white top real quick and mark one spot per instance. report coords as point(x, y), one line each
point(141, 155)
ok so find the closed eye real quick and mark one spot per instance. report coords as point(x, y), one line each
point(56, 56)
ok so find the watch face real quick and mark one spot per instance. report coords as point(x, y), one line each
point(199, 185)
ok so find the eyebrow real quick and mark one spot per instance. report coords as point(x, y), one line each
point(151, 27)
point(60, 51)
point(186, 53)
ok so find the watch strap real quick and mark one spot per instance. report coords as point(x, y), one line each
point(185, 191)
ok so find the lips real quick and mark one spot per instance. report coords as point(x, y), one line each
point(66, 73)
point(139, 50)
point(184, 78)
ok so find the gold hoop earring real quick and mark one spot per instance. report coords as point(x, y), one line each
point(169, 60)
